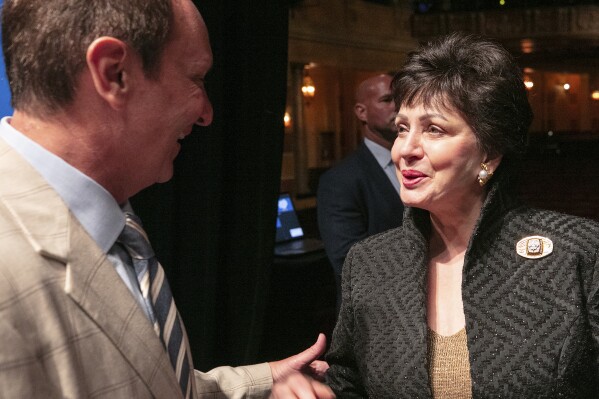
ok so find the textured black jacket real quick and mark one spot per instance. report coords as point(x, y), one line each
point(532, 324)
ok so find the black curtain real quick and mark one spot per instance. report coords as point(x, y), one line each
point(212, 225)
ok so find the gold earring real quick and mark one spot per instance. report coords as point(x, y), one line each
point(484, 175)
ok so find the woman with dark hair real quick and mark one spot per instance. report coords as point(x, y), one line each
point(476, 295)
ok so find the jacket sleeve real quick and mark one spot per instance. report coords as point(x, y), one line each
point(341, 217)
point(343, 375)
point(593, 307)
point(248, 382)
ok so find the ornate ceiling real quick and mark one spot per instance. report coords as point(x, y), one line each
point(563, 38)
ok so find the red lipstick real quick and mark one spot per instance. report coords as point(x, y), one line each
point(411, 178)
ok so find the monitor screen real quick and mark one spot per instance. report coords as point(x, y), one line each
point(288, 226)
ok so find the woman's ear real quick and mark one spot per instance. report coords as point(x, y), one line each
point(107, 60)
point(493, 162)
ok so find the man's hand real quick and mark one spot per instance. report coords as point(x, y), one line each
point(304, 362)
point(298, 386)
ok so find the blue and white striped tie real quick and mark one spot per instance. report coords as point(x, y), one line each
point(156, 291)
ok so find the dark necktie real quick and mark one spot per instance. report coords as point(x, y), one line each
point(156, 291)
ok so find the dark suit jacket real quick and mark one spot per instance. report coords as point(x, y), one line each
point(355, 200)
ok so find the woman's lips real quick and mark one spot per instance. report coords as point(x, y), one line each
point(411, 178)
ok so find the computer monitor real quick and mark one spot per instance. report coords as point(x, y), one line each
point(288, 225)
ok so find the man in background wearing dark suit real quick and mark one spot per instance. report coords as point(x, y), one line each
point(360, 196)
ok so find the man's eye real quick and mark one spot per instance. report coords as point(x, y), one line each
point(199, 81)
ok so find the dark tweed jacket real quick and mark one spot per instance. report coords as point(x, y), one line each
point(532, 324)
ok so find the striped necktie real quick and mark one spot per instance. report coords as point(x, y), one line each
point(156, 291)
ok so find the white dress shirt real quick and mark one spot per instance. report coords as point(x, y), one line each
point(383, 157)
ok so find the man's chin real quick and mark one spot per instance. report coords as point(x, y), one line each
point(166, 175)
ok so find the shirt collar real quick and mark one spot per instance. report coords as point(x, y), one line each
point(381, 154)
point(93, 206)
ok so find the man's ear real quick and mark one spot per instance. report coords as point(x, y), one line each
point(360, 111)
point(107, 60)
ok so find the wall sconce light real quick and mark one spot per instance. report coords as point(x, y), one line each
point(287, 119)
point(566, 86)
point(527, 46)
point(308, 89)
point(595, 95)
point(528, 83)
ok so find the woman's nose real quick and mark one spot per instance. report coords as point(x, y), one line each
point(409, 145)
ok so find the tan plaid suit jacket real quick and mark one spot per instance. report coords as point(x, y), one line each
point(69, 327)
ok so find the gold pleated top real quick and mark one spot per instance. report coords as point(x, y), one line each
point(449, 365)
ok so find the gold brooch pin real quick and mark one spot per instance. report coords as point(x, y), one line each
point(534, 247)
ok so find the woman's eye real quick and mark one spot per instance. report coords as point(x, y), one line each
point(434, 130)
point(401, 129)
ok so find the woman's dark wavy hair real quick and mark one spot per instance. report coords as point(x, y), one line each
point(45, 43)
point(478, 78)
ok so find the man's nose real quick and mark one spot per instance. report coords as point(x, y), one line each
point(206, 114)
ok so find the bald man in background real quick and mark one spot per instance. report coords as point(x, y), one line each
point(360, 196)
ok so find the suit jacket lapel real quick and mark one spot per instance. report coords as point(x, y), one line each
point(92, 282)
point(90, 278)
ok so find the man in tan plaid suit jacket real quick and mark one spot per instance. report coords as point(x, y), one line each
point(102, 92)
